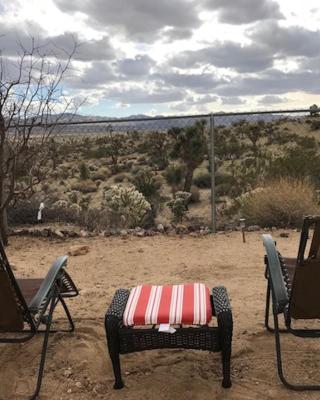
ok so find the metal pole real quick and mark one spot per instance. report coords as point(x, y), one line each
point(212, 160)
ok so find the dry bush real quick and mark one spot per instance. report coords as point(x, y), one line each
point(280, 203)
point(84, 186)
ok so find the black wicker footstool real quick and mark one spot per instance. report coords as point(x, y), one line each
point(123, 340)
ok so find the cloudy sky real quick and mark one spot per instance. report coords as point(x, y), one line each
point(176, 56)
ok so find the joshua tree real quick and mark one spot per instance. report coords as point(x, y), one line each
point(191, 147)
point(31, 104)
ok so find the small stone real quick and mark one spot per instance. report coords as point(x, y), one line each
point(67, 373)
point(123, 233)
point(84, 233)
point(160, 228)
point(180, 229)
point(79, 385)
point(58, 234)
point(78, 250)
point(69, 391)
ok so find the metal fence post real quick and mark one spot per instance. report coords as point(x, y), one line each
point(213, 193)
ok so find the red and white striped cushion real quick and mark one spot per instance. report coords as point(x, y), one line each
point(169, 304)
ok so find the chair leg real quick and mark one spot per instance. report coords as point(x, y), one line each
point(44, 348)
point(225, 324)
point(267, 312)
point(66, 310)
point(112, 327)
point(115, 359)
point(289, 385)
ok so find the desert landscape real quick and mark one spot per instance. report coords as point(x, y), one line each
point(78, 365)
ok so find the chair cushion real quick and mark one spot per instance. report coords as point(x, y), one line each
point(169, 304)
point(29, 288)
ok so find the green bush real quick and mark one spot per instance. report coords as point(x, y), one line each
point(202, 180)
point(195, 194)
point(281, 203)
point(179, 205)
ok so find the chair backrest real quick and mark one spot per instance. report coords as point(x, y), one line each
point(279, 292)
point(13, 307)
point(305, 292)
point(314, 251)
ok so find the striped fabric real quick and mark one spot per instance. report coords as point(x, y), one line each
point(170, 304)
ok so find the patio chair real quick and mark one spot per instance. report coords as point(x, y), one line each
point(289, 264)
point(297, 299)
point(28, 304)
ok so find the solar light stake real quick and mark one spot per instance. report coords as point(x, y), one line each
point(242, 226)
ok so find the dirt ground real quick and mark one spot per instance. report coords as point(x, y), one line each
point(78, 366)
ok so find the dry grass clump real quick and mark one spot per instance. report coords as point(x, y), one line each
point(86, 186)
point(280, 203)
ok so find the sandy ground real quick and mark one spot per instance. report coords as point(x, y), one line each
point(167, 374)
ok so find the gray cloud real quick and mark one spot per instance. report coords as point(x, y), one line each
point(135, 68)
point(286, 41)
point(173, 34)
point(244, 11)
point(201, 83)
point(140, 20)
point(138, 95)
point(234, 100)
point(274, 82)
point(228, 54)
point(97, 75)
point(60, 45)
point(269, 100)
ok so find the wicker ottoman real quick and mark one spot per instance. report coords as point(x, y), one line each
point(123, 340)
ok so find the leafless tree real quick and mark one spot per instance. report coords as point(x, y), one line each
point(32, 102)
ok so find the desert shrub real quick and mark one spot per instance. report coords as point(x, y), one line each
point(84, 186)
point(280, 203)
point(73, 196)
point(147, 182)
point(127, 203)
point(298, 163)
point(157, 148)
point(174, 175)
point(119, 178)
point(195, 194)
point(179, 205)
point(315, 125)
point(101, 174)
point(202, 180)
point(84, 171)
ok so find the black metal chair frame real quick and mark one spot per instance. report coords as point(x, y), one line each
point(308, 222)
point(123, 340)
point(55, 288)
point(279, 290)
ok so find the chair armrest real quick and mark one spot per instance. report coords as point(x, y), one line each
point(47, 285)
